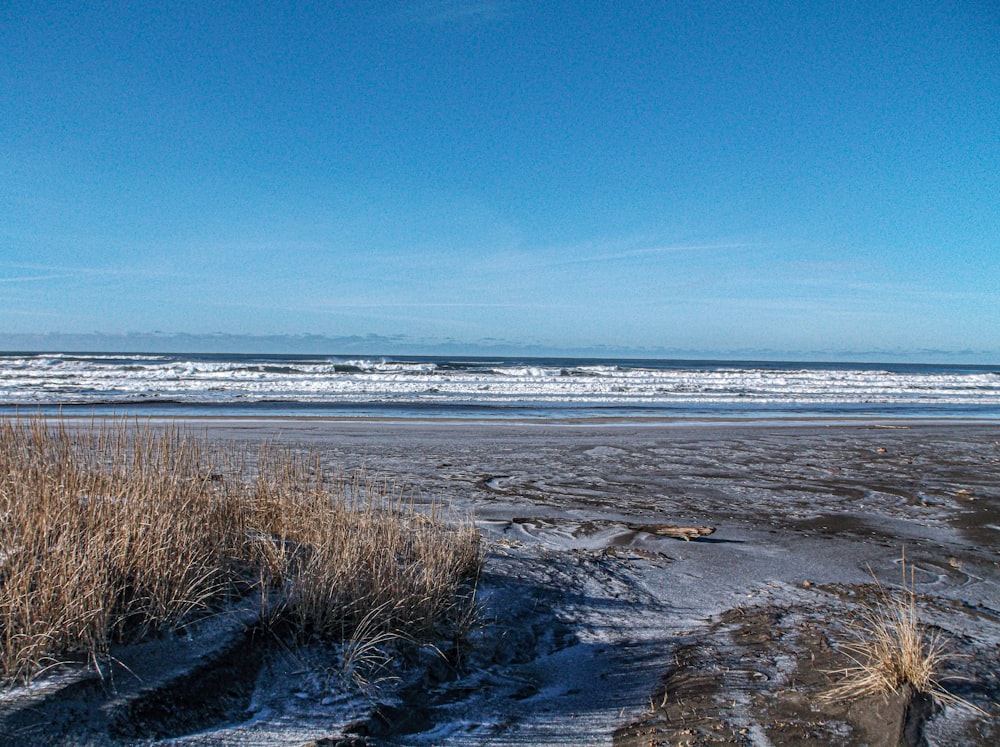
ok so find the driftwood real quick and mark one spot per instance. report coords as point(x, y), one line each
point(589, 527)
point(672, 530)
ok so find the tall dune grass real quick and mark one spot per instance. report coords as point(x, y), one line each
point(111, 532)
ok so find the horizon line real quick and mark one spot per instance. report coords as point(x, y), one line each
point(374, 344)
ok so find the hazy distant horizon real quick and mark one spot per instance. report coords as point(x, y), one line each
point(383, 345)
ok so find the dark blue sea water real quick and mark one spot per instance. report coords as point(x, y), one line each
point(433, 387)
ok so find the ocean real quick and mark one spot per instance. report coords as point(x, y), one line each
point(433, 387)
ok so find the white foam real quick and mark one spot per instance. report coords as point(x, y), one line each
point(59, 379)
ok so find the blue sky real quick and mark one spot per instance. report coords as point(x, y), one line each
point(694, 177)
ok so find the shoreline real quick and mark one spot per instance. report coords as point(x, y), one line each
point(888, 421)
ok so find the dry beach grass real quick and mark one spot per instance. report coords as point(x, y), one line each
point(892, 651)
point(113, 532)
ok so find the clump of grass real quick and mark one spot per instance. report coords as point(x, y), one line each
point(112, 532)
point(892, 651)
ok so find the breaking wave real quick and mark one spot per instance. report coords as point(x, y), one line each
point(558, 384)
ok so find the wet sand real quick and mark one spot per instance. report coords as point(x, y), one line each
point(596, 629)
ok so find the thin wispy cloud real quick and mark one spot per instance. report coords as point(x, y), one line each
point(440, 305)
point(647, 252)
point(42, 273)
point(37, 278)
point(38, 267)
point(31, 313)
point(48, 271)
point(383, 314)
point(590, 254)
point(917, 294)
point(338, 307)
point(444, 12)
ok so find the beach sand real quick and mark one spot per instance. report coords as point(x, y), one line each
point(595, 628)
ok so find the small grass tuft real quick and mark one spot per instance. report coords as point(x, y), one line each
point(891, 650)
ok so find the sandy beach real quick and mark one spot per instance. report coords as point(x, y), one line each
point(596, 627)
